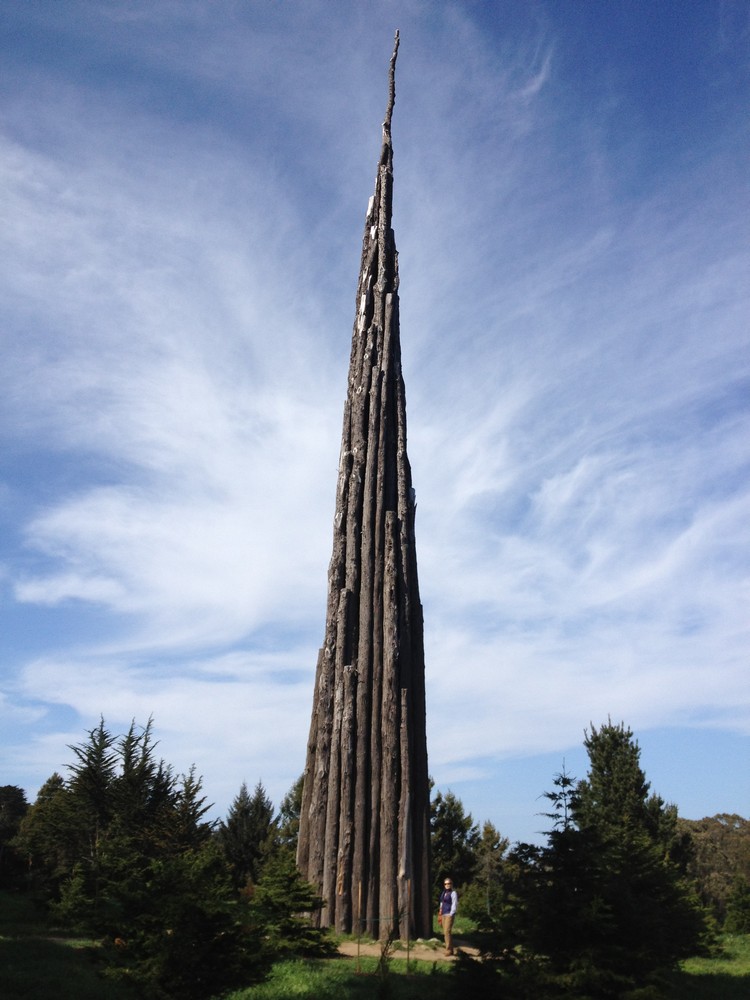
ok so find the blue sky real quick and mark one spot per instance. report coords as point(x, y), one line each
point(184, 188)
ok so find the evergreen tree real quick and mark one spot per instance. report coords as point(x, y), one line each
point(613, 798)
point(247, 835)
point(282, 904)
point(484, 898)
point(50, 835)
point(454, 841)
point(559, 911)
point(738, 909)
point(603, 901)
point(93, 777)
point(192, 937)
point(561, 800)
point(144, 789)
point(289, 817)
point(13, 808)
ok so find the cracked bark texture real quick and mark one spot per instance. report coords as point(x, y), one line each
point(364, 827)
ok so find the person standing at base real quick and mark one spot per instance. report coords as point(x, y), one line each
point(446, 912)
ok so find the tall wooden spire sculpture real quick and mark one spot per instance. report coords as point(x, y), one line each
point(364, 827)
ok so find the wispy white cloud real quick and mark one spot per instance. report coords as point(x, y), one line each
point(213, 712)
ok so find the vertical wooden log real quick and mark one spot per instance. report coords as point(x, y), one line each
point(390, 783)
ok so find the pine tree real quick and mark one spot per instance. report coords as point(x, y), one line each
point(604, 901)
point(282, 905)
point(561, 800)
point(485, 898)
point(614, 796)
point(246, 836)
point(454, 841)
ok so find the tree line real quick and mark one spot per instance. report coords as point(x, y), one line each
point(621, 890)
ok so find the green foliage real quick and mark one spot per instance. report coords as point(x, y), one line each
point(289, 815)
point(719, 857)
point(454, 841)
point(282, 903)
point(561, 799)
point(490, 851)
point(614, 796)
point(13, 808)
point(50, 834)
point(604, 909)
point(248, 834)
point(38, 962)
point(94, 774)
point(125, 854)
point(192, 938)
point(484, 899)
point(738, 909)
point(604, 902)
point(502, 976)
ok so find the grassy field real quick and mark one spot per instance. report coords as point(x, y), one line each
point(37, 961)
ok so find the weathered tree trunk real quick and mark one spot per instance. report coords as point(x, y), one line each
point(364, 828)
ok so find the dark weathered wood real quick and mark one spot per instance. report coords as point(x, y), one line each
point(364, 828)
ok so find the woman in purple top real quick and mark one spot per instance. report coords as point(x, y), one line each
point(446, 912)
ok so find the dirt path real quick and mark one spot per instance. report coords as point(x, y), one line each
point(423, 951)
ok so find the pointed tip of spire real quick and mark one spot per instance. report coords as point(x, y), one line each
point(391, 88)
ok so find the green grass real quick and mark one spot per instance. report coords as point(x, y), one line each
point(725, 976)
point(346, 979)
point(462, 927)
point(38, 961)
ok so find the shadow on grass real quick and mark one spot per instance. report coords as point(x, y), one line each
point(51, 967)
point(35, 961)
point(716, 986)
